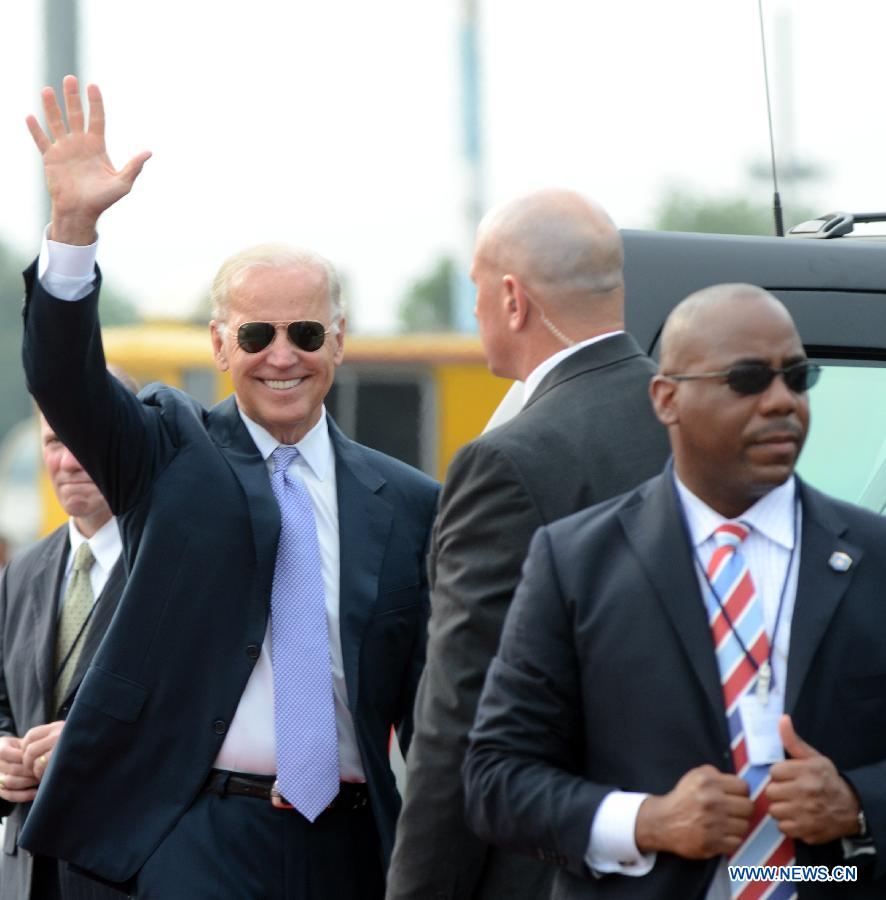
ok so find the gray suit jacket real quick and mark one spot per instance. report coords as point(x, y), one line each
point(586, 434)
point(28, 612)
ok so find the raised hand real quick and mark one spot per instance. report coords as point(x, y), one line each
point(82, 181)
point(808, 797)
point(706, 814)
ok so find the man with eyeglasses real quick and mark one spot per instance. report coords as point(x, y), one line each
point(550, 310)
point(231, 737)
point(691, 675)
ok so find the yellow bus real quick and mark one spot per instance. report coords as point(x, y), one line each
point(416, 397)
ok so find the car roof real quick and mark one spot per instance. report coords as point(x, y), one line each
point(835, 290)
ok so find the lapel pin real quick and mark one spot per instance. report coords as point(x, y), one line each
point(839, 561)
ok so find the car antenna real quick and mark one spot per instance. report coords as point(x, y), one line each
point(776, 199)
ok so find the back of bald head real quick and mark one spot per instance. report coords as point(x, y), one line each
point(559, 243)
point(706, 312)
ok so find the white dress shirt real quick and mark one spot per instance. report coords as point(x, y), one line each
point(775, 522)
point(68, 272)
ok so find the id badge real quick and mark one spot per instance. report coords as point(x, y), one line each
point(760, 725)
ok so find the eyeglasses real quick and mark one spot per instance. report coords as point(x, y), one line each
point(253, 337)
point(754, 378)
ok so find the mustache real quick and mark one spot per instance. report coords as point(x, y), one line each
point(780, 427)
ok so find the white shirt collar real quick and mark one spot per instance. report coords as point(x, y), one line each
point(105, 543)
point(772, 515)
point(315, 447)
point(542, 369)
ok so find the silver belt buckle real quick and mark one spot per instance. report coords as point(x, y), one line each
point(277, 799)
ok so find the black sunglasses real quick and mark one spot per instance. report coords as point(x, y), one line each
point(754, 378)
point(253, 337)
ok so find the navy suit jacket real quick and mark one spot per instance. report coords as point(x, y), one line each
point(606, 678)
point(200, 527)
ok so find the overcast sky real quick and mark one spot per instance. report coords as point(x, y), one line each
point(335, 124)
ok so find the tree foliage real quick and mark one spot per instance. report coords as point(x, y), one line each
point(683, 210)
point(428, 303)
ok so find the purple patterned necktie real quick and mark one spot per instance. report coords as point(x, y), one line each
point(304, 709)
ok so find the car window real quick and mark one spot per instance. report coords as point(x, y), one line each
point(845, 452)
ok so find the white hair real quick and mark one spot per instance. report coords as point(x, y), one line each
point(234, 270)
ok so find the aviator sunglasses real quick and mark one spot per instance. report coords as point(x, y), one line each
point(754, 378)
point(253, 337)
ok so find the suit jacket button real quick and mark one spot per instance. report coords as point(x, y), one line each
point(252, 651)
point(219, 726)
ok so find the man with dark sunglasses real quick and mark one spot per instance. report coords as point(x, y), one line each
point(231, 738)
point(691, 675)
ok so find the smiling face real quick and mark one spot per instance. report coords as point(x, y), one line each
point(281, 387)
point(731, 449)
point(76, 491)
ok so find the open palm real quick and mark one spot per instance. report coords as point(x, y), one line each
point(81, 179)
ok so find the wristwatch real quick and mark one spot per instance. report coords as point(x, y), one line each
point(862, 824)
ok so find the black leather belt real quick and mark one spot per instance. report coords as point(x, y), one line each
point(350, 797)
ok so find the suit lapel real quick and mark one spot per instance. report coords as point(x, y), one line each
point(43, 591)
point(819, 587)
point(655, 530)
point(364, 524)
point(226, 428)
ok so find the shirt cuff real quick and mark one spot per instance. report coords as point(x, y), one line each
point(853, 847)
point(611, 849)
point(65, 271)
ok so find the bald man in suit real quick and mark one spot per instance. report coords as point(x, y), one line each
point(550, 309)
point(690, 677)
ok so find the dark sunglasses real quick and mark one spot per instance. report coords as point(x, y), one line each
point(253, 337)
point(754, 378)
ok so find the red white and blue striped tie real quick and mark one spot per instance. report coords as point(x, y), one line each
point(764, 845)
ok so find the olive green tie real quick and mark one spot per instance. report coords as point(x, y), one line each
point(72, 624)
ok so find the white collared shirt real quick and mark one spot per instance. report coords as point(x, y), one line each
point(775, 521)
point(106, 547)
point(250, 742)
point(538, 373)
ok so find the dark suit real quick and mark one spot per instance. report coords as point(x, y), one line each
point(587, 433)
point(606, 678)
point(28, 615)
point(200, 527)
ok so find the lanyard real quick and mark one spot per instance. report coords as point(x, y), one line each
point(764, 669)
